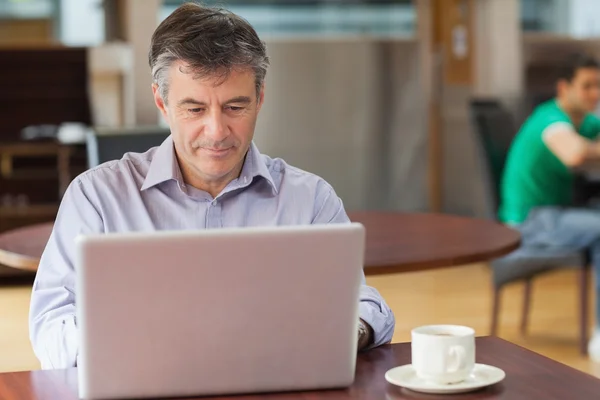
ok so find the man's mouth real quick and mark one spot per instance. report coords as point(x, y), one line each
point(216, 152)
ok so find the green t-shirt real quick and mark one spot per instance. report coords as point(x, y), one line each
point(533, 176)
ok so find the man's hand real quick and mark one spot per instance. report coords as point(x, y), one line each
point(365, 335)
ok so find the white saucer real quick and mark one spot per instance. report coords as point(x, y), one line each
point(482, 376)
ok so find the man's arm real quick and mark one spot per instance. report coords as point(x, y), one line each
point(373, 310)
point(570, 147)
point(52, 324)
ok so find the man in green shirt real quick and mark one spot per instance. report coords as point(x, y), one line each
point(537, 185)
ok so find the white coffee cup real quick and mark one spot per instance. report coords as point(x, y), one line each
point(443, 354)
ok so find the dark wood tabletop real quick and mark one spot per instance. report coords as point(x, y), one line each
point(22, 248)
point(402, 242)
point(396, 242)
point(528, 376)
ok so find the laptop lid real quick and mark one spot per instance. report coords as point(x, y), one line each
point(223, 311)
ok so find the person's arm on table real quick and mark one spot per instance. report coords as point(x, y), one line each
point(373, 311)
point(52, 324)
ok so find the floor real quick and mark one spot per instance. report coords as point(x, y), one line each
point(457, 296)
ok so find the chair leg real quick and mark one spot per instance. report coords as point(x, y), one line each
point(526, 305)
point(583, 308)
point(495, 312)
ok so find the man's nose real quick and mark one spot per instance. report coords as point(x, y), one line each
point(215, 127)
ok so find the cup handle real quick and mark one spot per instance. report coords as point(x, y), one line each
point(456, 357)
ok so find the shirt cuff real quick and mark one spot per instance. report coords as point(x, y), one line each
point(380, 318)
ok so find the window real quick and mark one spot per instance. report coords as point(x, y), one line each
point(320, 18)
point(575, 18)
point(29, 9)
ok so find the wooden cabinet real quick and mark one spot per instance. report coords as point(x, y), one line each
point(40, 86)
point(33, 178)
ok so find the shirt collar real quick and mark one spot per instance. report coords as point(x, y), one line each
point(164, 167)
point(254, 166)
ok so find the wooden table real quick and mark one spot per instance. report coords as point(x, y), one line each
point(528, 376)
point(396, 242)
point(401, 242)
point(22, 248)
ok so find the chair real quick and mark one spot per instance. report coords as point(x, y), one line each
point(111, 144)
point(495, 130)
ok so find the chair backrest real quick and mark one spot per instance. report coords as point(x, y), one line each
point(495, 129)
point(111, 144)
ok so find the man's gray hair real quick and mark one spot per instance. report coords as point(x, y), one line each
point(211, 42)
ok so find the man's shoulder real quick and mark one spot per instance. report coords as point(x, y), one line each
point(131, 168)
point(543, 116)
point(548, 113)
point(288, 176)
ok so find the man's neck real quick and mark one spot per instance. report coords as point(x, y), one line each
point(193, 177)
point(212, 187)
point(575, 116)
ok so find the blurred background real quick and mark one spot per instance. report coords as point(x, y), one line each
point(375, 96)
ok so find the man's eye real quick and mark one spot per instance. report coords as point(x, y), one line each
point(195, 110)
point(234, 109)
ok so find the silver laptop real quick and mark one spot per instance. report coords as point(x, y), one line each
point(228, 311)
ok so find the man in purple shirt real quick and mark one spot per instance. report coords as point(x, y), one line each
point(208, 67)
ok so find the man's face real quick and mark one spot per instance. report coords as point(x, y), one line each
point(583, 92)
point(212, 122)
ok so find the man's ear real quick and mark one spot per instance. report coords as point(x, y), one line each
point(158, 100)
point(561, 86)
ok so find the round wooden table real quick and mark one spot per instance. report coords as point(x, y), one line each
point(402, 242)
point(22, 248)
point(396, 242)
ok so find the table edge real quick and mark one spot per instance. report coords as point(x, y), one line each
point(18, 261)
point(488, 339)
point(456, 261)
point(525, 349)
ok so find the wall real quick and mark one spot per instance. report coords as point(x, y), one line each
point(111, 85)
point(349, 111)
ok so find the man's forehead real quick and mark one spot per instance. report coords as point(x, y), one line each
point(186, 72)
